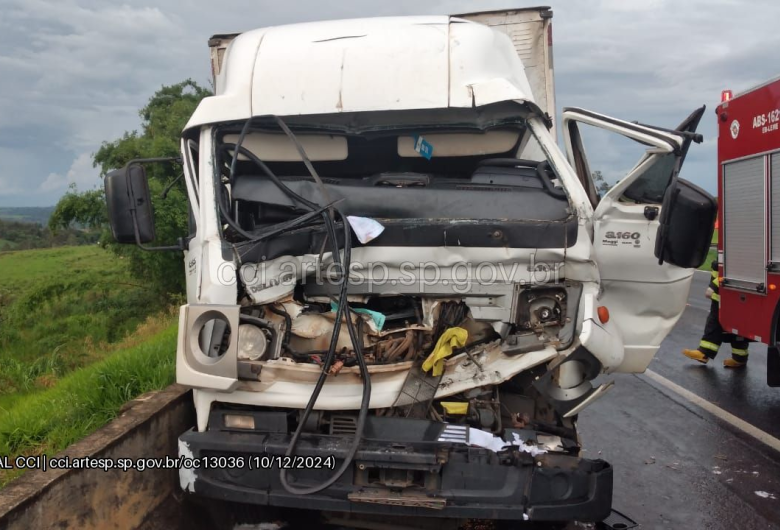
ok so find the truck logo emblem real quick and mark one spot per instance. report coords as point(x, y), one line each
point(734, 129)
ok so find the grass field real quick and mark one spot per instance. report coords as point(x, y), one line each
point(712, 254)
point(79, 337)
point(86, 399)
point(61, 309)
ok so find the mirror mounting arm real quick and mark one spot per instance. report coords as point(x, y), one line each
point(179, 246)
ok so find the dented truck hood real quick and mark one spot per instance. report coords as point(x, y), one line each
point(376, 64)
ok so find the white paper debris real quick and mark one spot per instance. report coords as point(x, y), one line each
point(525, 517)
point(765, 495)
point(532, 449)
point(490, 441)
point(365, 228)
point(485, 439)
point(187, 477)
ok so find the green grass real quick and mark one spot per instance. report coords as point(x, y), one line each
point(79, 337)
point(7, 245)
point(711, 255)
point(85, 399)
point(64, 308)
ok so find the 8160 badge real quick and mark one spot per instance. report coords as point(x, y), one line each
point(613, 239)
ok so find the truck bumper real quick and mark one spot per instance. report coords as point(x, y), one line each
point(409, 477)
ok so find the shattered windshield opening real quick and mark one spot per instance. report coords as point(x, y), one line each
point(430, 173)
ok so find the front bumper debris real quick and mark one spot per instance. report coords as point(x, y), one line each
point(402, 469)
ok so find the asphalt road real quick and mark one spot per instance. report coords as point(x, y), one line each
point(677, 465)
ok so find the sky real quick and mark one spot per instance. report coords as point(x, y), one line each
point(73, 73)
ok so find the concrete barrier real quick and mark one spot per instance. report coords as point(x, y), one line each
point(97, 499)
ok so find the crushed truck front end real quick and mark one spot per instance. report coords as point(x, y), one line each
point(476, 263)
point(392, 293)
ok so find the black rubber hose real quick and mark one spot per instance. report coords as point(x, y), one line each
point(343, 306)
point(287, 322)
point(281, 228)
point(240, 141)
point(366, 397)
point(270, 174)
point(237, 148)
point(305, 158)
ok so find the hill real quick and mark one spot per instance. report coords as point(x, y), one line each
point(22, 235)
point(27, 214)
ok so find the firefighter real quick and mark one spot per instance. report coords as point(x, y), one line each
point(714, 335)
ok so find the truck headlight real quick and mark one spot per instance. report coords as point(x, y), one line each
point(252, 342)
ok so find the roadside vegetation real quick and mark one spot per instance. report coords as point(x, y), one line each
point(21, 235)
point(162, 120)
point(79, 337)
point(87, 399)
point(64, 308)
point(712, 254)
point(84, 329)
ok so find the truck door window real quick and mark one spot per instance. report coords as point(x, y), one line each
point(613, 144)
point(581, 164)
point(649, 188)
point(602, 158)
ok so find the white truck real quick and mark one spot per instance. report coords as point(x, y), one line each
point(399, 288)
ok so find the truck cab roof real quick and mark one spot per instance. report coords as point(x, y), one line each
point(364, 65)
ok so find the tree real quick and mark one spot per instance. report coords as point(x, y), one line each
point(601, 184)
point(162, 120)
point(86, 209)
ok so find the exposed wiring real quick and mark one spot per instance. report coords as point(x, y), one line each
point(287, 322)
point(365, 376)
point(342, 309)
point(305, 158)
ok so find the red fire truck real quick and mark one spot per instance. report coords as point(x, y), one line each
point(749, 212)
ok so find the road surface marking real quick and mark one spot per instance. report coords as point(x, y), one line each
point(729, 418)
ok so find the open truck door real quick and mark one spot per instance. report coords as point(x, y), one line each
point(649, 231)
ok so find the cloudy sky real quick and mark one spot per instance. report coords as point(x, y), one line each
point(74, 73)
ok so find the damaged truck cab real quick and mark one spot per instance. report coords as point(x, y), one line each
point(400, 290)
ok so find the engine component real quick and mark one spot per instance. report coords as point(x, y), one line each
point(540, 307)
point(478, 407)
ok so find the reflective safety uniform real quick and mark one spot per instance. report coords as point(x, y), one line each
point(714, 335)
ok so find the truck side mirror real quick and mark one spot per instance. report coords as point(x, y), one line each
point(129, 205)
point(686, 225)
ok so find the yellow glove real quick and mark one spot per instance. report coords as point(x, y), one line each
point(451, 338)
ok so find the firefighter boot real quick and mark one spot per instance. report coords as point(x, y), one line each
point(734, 363)
point(696, 355)
point(739, 357)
